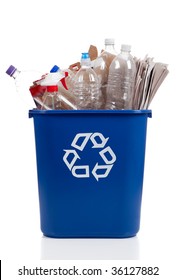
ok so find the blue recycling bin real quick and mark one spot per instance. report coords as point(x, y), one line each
point(90, 167)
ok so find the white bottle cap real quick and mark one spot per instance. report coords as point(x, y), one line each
point(109, 41)
point(126, 48)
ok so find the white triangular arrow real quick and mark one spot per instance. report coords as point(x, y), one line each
point(81, 146)
point(67, 153)
point(101, 141)
point(110, 152)
point(81, 167)
point(107, 169)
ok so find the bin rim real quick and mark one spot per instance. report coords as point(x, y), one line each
point(35, 112)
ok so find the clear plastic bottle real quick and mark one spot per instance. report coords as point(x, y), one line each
point(51, 100)
point(86, 86)
point(37, 92)
point(102, 63)
point(68, 99)
point(69, 78)
point(121, 79)
point(23, 81)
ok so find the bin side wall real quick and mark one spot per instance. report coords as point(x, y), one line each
point(106, 203)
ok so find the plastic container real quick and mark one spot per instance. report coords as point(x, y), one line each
point(102, 63)
point(23, 81)
point(57, 95)
point(90, 171)
point(121, 80)
point(86, 86)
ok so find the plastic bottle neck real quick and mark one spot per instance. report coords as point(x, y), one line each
point(109, 47)
point(125, 53)
point(125, 49)
point(15, 74)
point(85, 63)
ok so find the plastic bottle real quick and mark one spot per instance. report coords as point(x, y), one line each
point(23, 81)
point(51, 100)
point(120, 89)
point(67, 76)
point(39, 89)
point(37, 92)
point(86, 86)
point(68, 99)
point(102, 63)
point(61, 95)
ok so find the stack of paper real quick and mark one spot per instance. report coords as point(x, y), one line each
point(149, 77)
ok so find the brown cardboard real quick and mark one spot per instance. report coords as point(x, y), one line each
point(75, 66)
point(93, 52)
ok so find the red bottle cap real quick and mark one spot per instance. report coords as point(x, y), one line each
point(52, 88)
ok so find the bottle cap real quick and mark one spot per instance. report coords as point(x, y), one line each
point(85, 56)
point(11, 70)
point(85, 60)
point(54, 69)
point(109, 41)
point(52, 88)
point(126, 48)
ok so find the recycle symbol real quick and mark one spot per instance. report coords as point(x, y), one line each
point(98, 141)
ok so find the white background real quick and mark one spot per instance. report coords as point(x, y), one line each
point(37, 35)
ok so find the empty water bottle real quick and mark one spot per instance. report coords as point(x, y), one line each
point(121, 79)
point(86, 86)
point(23, 81)
point(102, 63)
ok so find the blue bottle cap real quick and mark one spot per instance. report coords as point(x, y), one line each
point(11, 70)
point(85, 55)
point(54, 69)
